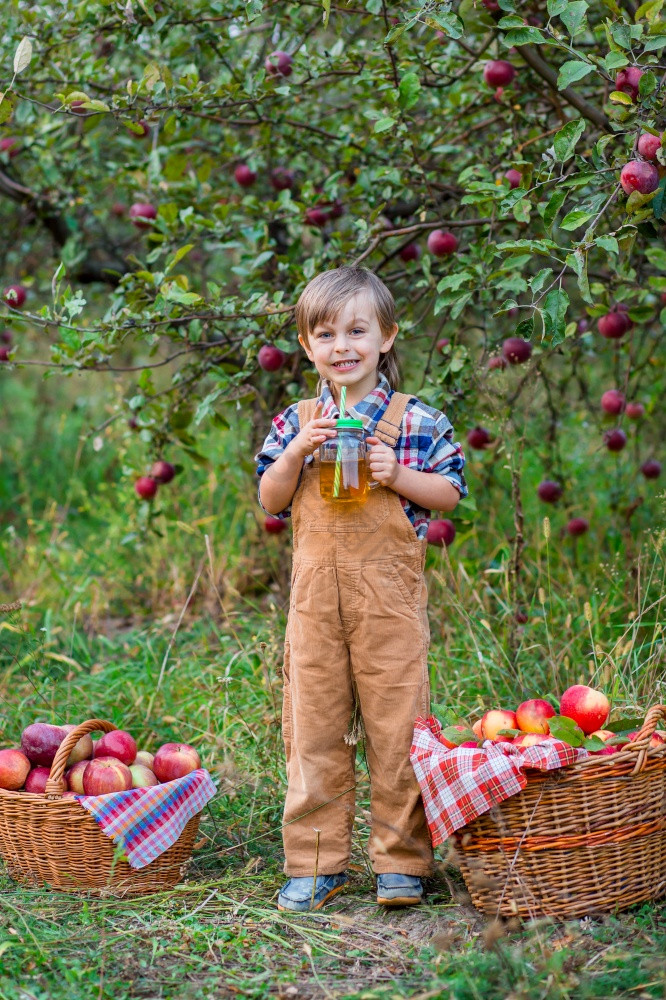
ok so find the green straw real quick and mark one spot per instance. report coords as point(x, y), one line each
point(338, 457)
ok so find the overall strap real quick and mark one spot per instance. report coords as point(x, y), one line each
point(306, 408)
point(389, 427)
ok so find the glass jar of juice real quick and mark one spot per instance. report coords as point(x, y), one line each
point(344, 475)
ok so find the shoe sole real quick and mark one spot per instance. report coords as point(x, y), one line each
point(399, 900)
point(333, 892)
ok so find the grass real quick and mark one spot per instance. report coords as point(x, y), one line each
point(172, 626)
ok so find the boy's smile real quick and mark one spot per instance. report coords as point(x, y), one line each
point(346, 350)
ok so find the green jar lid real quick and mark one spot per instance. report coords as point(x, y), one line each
point(344, 422)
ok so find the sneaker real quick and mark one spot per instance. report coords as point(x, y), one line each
point(399, 890)
point(297, 895)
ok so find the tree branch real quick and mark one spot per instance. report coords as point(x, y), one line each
point(544, 70)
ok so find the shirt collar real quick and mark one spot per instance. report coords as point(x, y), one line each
point(369, 409)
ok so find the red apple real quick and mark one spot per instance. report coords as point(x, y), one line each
point(142, 214)
point(74, 776)
point(4, 354)
point(491, 5)
point(14, 769)
point(588, 708)
point(514, 177)
point(528, 740)
point(442, 343)
point(271, 358)
point(144, 757)
point(533, 716)
point(9, 145)
point(627, 81)
point(612, 401)
point(76, 107)
point(516, 350)
point(40, 742)
point(412, 251)
point(615, 440)
point(603, 734)
point(447, 743)
point(521, 617)
point(496, 362)
point(282, 179)
point(174, 760)
point(613, 325)
point(651, 469)
point(441, 532)
point(498, 73)
point(143, 129)
point(634, 410)
point(244, 175)
point(274, 525)
point(142, 776)
point(163, 471)
point(476, 729)
point(146, 487)
point(656, 741)
point(639, 175)
point(549, 491)
point(278, 64)
point(648, 145)
point(118, 209)
point(478, 437)
point(106, 774)
point(496, 719)
point(604, 751)
point(578, 526)
point(442, 243)
point(36, 780)
point(118, 744)
point(14, 296)
point(317, 216)
point(83, 749)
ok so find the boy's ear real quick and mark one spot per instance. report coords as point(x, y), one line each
point(306, 347)
point(387, 342)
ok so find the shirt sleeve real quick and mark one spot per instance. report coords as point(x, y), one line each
point(444, 456)
point(284, 428)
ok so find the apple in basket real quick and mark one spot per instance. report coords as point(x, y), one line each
point(495, 720)
point(118, 744)
point(448, 743)
point(529, 739)
point(588, 708)
point(656, 741)
point(36, 780)
point(14, 768)
point(74, 776)
point(144, 757)
point(83, 750)
point(142, 776)
point(174, 760)
point(476, 729)
point(533, 716)
point(106, 774)
point(40, 742)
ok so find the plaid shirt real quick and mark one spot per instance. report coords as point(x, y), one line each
point(426, 443)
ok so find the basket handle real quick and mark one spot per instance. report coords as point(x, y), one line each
point(642, 742)
point(55, 783)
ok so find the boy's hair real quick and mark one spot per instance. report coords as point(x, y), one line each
point(322, 299)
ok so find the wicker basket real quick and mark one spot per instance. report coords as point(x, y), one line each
point(53, 840)
point(589, 838)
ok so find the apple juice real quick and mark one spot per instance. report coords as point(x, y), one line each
point(353, 484)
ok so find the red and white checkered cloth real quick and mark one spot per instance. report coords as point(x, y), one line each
point(460, 784)
point(146, 821)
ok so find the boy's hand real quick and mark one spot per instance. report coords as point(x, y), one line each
point(383, 462)
point(313, 433)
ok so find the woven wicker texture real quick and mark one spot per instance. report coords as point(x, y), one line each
point(589, 838)
point(52, 840)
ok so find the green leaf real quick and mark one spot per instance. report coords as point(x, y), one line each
point(523, 36)
point(573, 17)
point(565, 140)
point(621, 33)
point(647, 84)
point(177, 256)
point(608, 243)
point(455, 735)
point(654, 42)
point(540, 279)
point(658, 200)
point(253, 9)
point(625, 725)
point(555, 7)
point(593, 743)
point(557, 199)
point(578, 262)
point(572, 70)
point(7, 105)
point(566, 730)
point(575, 219)
point(384, 124)
point(449, 23)
point(656, 256)
point(525, 328)
point(326, 4)
point(619, 97)
point(409, 90)
point(554, 312)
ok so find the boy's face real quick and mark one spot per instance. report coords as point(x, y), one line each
point(346, 350)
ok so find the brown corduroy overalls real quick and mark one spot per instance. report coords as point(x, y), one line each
point(357, 621)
